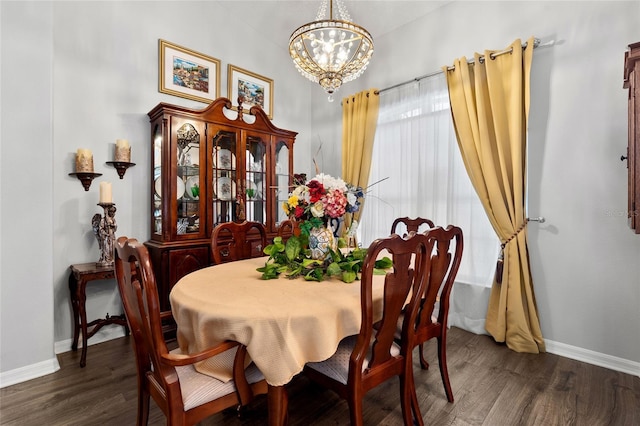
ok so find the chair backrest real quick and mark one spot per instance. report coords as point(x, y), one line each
point(287, 228)
point(160, 373)
point(405, 280)
point(403, 225)
point(232, 241)
point(448, 245)
point(139, 293)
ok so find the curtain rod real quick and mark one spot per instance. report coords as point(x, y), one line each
point(536, 43)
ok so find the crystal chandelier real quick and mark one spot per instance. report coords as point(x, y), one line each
point(329, 51)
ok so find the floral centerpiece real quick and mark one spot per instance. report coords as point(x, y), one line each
point(313, 204)
point(314, 254)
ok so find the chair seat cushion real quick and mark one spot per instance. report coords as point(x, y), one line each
point(337, 367)
point(198, 388)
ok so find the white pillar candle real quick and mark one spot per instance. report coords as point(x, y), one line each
point(105, 192)
point(84, 161)
point(123, 150)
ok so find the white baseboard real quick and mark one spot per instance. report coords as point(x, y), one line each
point(33, 371)
point(106, 333)
point(592, 357)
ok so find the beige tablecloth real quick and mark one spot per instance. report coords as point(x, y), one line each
point(284, 323)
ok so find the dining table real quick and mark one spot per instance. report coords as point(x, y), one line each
point(284, 323)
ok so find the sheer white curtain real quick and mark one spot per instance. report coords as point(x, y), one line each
point(419, 170)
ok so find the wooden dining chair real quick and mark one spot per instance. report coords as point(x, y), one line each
point(445, 262)
point(403, 225)
point(287, 228)
point(372, 357)
point(184, 395)
point(231, 241)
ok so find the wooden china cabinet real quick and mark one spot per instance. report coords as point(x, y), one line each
point(632, 82)
point(210, 166)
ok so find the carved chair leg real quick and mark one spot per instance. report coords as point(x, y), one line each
point(442, 360)
point(409, 401)
point(355, 409)
point(423, 362)
point(143, 408)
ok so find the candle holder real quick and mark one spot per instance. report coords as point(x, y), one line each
point(105, 228)
point(121, 166)
point(86, 178)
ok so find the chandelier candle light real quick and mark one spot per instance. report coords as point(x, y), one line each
point(330, 51)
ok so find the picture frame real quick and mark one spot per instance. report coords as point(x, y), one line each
point(255, 89)
point(186, 73)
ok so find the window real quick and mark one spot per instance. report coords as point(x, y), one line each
point(417, 171)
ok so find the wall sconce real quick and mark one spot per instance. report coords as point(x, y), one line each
point(122, 157)
point(84, 168)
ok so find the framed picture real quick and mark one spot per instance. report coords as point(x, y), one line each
point(187, 73)
point(253, 88)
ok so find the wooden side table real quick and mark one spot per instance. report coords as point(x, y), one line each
point(81, 275)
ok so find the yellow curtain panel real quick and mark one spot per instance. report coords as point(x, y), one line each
point(359, 121)
point(490, 108)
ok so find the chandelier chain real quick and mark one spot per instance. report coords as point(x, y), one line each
point(322, 10)
point(344, 14)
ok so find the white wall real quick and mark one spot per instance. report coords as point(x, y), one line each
point(585, 259)
point(83, 74)
point(91, 76)
point(26, 238)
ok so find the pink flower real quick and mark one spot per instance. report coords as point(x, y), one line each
point(321, 198)
point(335, 203)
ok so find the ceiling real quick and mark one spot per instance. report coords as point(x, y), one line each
point(277, 19)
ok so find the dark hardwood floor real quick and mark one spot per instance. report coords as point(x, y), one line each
point(492, 385)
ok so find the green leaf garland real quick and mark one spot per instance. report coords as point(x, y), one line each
point(294, 259)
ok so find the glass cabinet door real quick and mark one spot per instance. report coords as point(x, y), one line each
point(189, 208)
point(224, 174)
point(156, 223)
point(255, 185)
point(207, 168)
point(283, 179)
